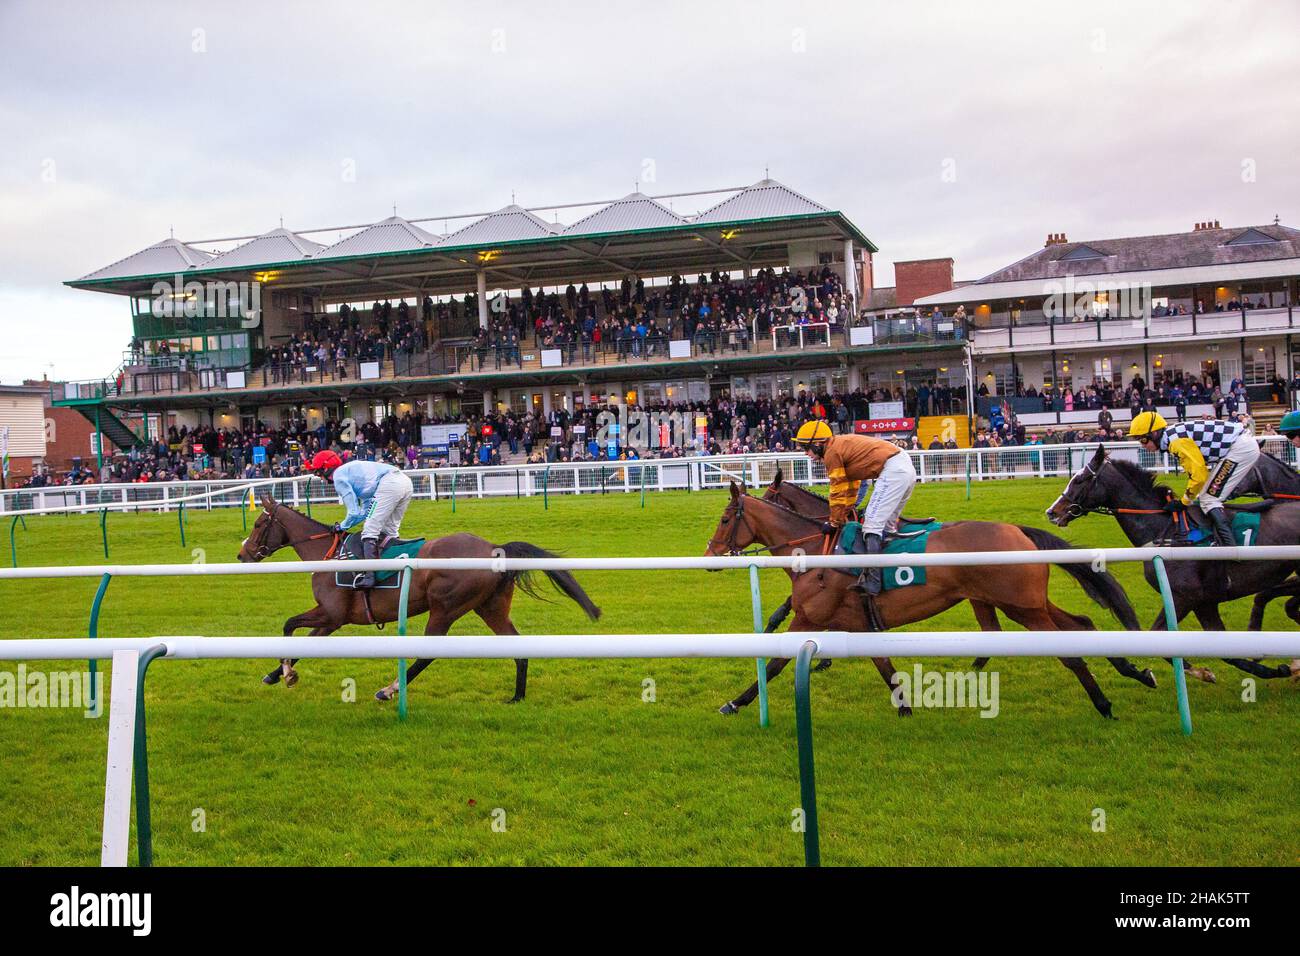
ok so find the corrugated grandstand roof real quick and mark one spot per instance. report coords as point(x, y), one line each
point(508, 224)
point(170, 255)
point(636, 233)
point(633, 211)
point(393, 234)
point(278, 245)
point(766, 199)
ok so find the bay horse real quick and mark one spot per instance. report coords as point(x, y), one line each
point(446, 595)
point(823, 601)
point(809, 503)
point(1130, 493)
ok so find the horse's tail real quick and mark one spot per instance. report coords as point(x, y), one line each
point(1101, 586)
point(564, 582)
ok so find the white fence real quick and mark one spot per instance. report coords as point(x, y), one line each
point(590, 478)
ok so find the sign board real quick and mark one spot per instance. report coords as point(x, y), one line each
point(679, 348)
point(441, 438)
point(234, 380)
point(862, 335)
point(885, 409)
point(259, 454)
point(878, 426)
point(943, 326)
point(580, 429)
point(557, 431)
point(552, 358)
point(368, 370)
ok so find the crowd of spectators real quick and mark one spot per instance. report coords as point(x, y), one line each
point(716, 313)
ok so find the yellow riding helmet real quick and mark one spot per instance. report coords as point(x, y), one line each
point(1144, 423)
point(812, 432)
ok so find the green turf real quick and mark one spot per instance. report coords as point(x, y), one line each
point(589, 773)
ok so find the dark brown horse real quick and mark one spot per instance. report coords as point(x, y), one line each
point(813, 505)
point(446, 595)
point(822, 599)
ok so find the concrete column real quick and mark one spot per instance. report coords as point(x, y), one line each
point(855, 378)
point(850, 274)
point(546, 401)
point(488, 405)
point(481, 289)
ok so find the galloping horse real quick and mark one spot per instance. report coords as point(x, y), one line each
point(822, 599)
point(1130, 493)
point(1273, 478)
point(446, 595)
point(813, 505)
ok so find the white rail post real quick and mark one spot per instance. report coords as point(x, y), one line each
point(121, 751)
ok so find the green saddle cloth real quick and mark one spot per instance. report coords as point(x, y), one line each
point(1245, 529)
point(394, 549)
point(911, 539)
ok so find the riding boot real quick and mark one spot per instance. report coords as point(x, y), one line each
point(369, 551)
point(871, 579)
point(1221, 524)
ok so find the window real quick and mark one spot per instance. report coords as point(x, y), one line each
point(1081, 252)
point(740, 387)
point(1249, 238)
point(840, 381)
point(1260, 366)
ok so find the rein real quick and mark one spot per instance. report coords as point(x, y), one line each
point(735, 552)
point(262, 551)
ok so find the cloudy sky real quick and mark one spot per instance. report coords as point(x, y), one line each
point(968, 130)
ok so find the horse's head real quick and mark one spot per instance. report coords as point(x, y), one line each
point(1084, 493)
point(735, 531)
point(269, 534)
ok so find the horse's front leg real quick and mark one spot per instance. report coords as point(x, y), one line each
point(317, 619)
point(774, 667)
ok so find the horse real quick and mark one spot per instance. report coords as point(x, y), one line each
point(822, 599)
point(813, 505)
point(446, 595)
point(1273, 478)
point(1130, 493)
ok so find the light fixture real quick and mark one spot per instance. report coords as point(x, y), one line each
point(487, 255)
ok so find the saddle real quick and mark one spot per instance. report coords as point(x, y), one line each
point(390, 547)
point(910, 538)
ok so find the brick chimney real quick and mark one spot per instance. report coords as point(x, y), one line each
point(1055, 239)
point(1212, 224)
point(917, 278)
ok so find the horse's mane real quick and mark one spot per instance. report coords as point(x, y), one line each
point(774, 503)
point(1136, 475)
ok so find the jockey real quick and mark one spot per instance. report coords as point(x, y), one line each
point(370, 490)
point(1217, 456)
point(1290, 427)
point(851, 460)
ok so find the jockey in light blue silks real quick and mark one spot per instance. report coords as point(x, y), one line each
point(373, 492)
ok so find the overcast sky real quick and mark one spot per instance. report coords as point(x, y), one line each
point(968, 130)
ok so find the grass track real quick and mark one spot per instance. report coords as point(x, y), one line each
point(588, 773)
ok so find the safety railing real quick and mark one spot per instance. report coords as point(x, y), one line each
point(692, 473)
point(128, 741)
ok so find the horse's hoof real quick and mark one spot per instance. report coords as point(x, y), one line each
point(290, 679)
point(1106, 710)
point(905, 711)
point(270, 680)
point(517, 699)
point(1147, 677)
point(728, 709)
point(1204, 674)
point(823, 664)
point(384, 694)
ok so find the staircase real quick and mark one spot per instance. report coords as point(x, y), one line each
point(1267, 413)
point(114, 429)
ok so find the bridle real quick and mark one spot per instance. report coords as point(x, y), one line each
point(262, 552)
point(1077, 510)
point(734, 549)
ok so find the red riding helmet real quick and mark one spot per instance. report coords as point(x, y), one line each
point(323, 461)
